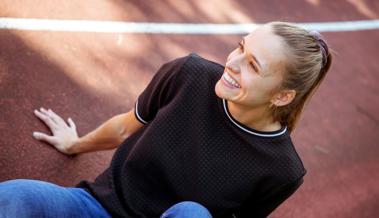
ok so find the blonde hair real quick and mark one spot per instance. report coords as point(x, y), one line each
point(308, 65)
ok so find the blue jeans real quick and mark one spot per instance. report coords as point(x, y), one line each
point(23, 198)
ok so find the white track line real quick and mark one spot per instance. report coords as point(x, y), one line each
point(167, 28)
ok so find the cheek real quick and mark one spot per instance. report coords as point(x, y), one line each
point(256, 86)
point(270, 87)
point(249, 80)
point(232, 54)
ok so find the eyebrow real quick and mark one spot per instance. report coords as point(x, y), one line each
point(250, 54)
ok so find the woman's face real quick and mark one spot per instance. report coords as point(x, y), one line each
point(253, 70)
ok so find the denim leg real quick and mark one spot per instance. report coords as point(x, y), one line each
point(23, 198)
point(187, 209)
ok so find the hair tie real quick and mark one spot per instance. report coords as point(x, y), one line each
point(322, 44)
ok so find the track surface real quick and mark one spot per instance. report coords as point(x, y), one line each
point(93, 76)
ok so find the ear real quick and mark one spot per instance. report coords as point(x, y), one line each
point(284, 97)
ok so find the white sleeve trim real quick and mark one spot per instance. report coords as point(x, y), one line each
point(138, 115)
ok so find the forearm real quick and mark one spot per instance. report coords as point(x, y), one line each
point(107, 136)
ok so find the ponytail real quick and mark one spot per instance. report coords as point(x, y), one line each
point(312, 60)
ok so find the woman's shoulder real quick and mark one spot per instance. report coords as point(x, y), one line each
point(292, 162)
point(194, 63)
point(287, 158)
point(196, 67)
point(195, 59)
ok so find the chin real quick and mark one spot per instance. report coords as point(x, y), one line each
point(223, 93)
point(218, 90)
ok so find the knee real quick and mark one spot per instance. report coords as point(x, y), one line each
point(17, 196)
point(187, 209)
point(16, 189)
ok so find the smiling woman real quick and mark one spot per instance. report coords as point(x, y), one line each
point(271, 74)
point(203, 140)
point(255, 65)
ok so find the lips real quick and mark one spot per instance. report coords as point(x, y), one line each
point(230, 80)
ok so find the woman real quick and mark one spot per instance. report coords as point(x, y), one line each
point(203, 139)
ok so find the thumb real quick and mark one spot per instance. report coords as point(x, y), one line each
point(43, 137)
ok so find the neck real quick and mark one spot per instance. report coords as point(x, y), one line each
point(256, 118)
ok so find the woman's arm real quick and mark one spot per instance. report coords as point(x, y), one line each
point(107, 136)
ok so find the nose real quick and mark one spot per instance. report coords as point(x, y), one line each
point(234, 63)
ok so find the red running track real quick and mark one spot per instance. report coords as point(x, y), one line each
point(93, 76)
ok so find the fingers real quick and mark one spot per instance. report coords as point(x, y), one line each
point(43, 111)
point(55, 117)
point(51, 115)
point(45, 118)
point(43, 137)
point(71, 123)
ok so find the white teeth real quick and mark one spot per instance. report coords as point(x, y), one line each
point(231, 80)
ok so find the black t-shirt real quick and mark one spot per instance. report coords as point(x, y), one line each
point(192, 149)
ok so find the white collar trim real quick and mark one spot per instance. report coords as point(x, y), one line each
point(249, 130)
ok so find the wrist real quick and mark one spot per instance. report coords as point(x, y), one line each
point(74, 147)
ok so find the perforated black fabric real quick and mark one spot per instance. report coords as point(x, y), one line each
point(190, 150)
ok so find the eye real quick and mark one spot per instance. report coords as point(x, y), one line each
point(240, 46)
point(253, 66)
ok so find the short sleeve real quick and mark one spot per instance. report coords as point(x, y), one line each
point(161, 89)
point(261, 208)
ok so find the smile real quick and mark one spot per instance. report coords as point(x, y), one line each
point(230, 80)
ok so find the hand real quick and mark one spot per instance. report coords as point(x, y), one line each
point(64, 136)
